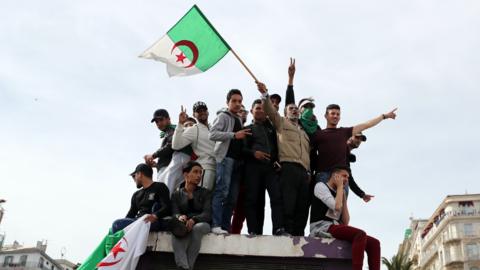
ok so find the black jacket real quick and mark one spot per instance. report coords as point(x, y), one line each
point(202, 204)
point(152, 200)
point(263, 138)
point(351, 182)
point(164, 154)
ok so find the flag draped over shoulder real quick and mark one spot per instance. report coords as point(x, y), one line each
point(120, 251)
point(191, 46)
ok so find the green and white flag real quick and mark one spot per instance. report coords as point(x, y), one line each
point(120, 251)
point(191, 46)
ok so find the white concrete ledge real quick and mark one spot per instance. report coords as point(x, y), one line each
point(267, 246)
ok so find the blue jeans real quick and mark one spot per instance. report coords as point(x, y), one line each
point(120, 224)
point(325, 176)
point(225, 193)
point(159, 225)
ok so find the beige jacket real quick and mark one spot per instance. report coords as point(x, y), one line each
point(293, 142)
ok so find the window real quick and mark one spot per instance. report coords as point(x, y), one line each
point(23, 260)
point(8, 260)
point(474, 268)
point(472, 251)
point(468, 229)
point(40, 263)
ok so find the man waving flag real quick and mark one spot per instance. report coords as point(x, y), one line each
point(191, 46)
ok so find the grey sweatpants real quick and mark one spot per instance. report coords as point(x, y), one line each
point(186, 249)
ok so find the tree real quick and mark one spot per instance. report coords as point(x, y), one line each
point(398, 262)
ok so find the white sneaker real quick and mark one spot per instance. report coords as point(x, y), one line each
point(218, 230)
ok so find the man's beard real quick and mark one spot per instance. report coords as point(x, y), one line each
point(292, 118)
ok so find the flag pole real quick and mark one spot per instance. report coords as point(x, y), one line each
point(243, 64)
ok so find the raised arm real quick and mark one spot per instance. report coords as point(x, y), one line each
point(373, 122)
point(270, 111)
point(290, 95)
point(182, 137)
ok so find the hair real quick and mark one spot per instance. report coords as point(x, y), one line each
point(332, 107)
point(339, 169)
point(255, 102)
point(189, 166)
point(191, 119)
point(277, 97)
point(233, 92)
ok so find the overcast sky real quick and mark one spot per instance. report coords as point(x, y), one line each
point(76, 102)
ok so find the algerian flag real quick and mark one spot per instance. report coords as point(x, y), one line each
point(128, 245)
point(191, 46)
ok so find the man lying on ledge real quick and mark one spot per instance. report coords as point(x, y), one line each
point(329, 214)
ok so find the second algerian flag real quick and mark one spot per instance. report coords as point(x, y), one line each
point(191, 46)
point(120, 251)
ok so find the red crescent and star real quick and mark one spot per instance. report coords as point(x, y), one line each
point(115, 250)
point(181, 57)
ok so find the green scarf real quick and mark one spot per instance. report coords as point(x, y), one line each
point(164, 133)
point(307, 123)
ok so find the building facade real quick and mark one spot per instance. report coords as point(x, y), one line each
point(17, 257)
point(449, 239)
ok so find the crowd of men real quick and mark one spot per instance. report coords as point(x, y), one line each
point(213, 177)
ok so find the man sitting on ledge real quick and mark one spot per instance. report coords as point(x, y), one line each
point(152, 198)
point(191, 205)
point(329, 214)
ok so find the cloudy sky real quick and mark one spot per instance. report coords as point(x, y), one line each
point(75, 101)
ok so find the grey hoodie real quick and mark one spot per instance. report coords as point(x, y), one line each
point(222, 133)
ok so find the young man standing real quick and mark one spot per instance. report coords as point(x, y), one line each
point(228, 134)
point(330, 143)
point(164, 154)
point(294, 156)
point(152, 199)
point(330, 214)
point(238, 214)
point(353, 143)
point(261, 154)
point(197, 137)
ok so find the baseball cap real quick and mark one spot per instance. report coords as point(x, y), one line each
point(199, 105)
point(160, 113)
point(306, 101)
point(143, 168)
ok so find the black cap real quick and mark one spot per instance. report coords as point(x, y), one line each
point(144, 169)
point(160, 113)
point(199, 105)
point(276, 96)
point(362, 137)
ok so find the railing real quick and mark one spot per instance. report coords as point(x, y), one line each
point(428, 256)
point(454, 259)
point(26, 266)
point(453, 237)
point(448, 216)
